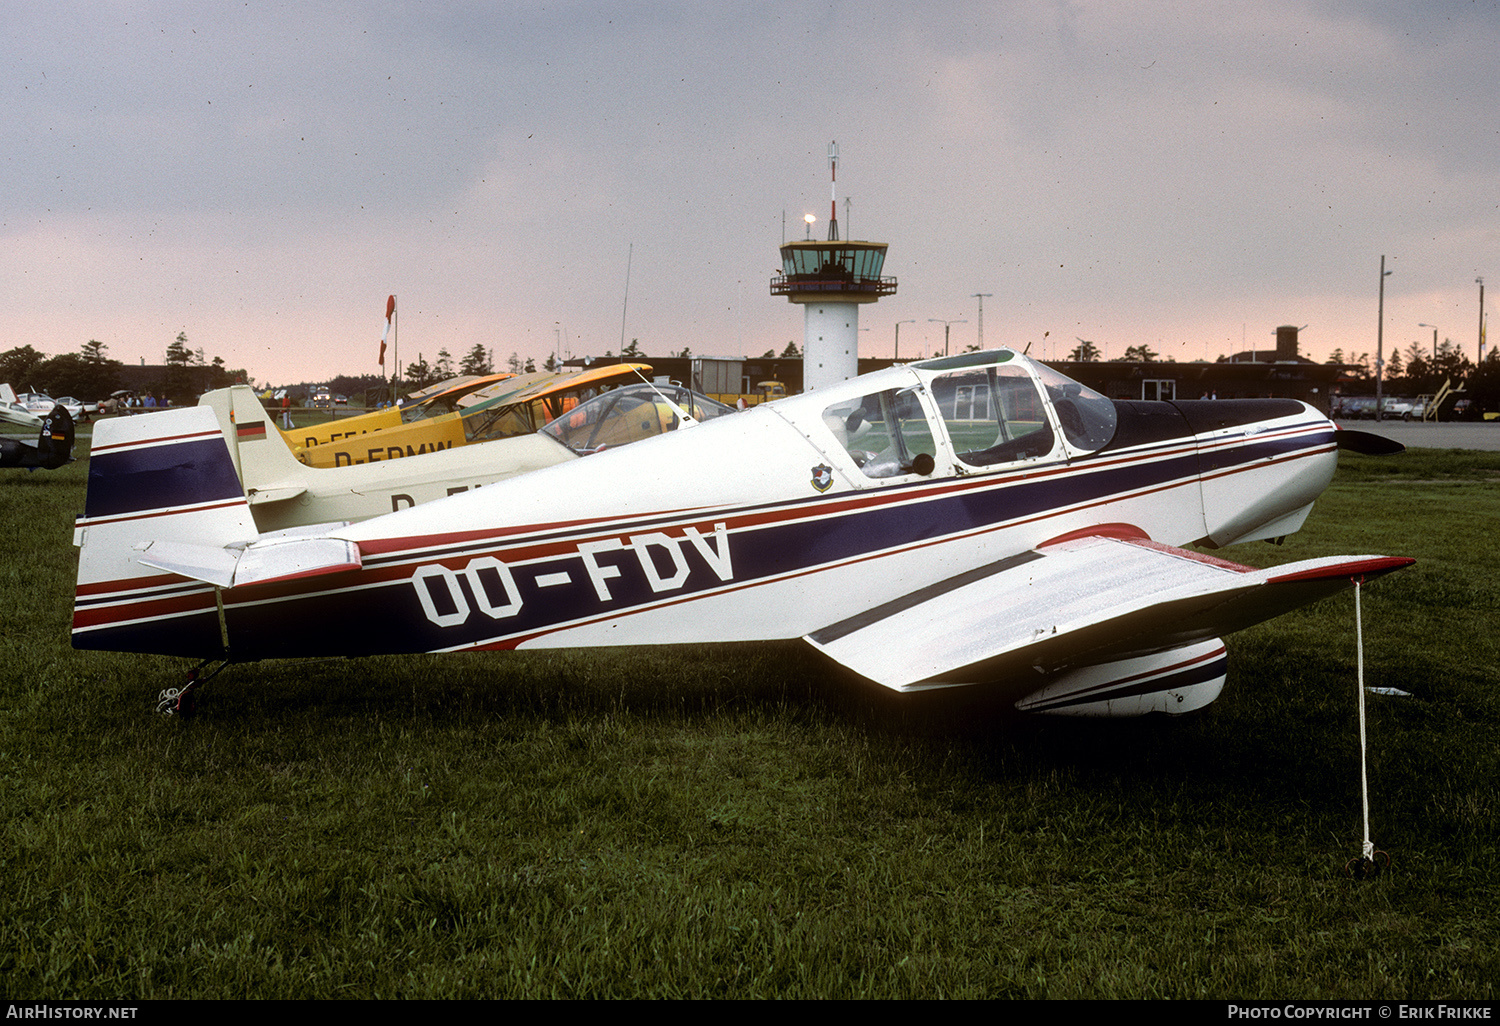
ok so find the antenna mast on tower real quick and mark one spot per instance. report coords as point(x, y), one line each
point(830, 281)
point(833, 202)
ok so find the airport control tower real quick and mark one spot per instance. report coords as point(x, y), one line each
point(831, 279)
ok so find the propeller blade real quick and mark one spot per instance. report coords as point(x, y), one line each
point(1367, 443)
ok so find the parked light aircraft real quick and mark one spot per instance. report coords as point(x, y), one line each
point(53, 448)
point(13, 412)
point(41, 404)
point(432, 401)
point(629, 414)
point(979, 519)
point(516, 406)
point(283, 493)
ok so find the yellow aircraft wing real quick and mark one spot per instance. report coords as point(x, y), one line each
point(432, 390)
point(434, 401)
point(527, 407)
point(447, 400)
point(517, 406)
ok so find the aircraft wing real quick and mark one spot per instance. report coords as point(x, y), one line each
point(1074, 603)
point(12, 413)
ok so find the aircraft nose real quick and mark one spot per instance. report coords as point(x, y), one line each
point(1262, 484)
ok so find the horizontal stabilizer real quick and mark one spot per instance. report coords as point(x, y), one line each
point(1072, 604)
point(264, 561)
point(200, 562)
point(261, 495)
point(285, 560)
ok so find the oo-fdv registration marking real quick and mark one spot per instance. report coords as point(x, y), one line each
point(492, 583)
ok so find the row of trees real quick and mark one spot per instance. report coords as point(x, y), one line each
point(185, 373)
point(421, 374)
point(1417, 367)
point(1417, 370)
point(1088, 352)
point(477, 361)
point(91, 375)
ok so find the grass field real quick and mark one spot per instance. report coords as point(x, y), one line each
point(740, 821)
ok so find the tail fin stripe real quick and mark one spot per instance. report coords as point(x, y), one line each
point(142, 443)
point(167, 512)
point(179, 474)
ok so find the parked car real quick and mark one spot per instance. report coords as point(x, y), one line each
point(1395, 408)
point(1354, 407)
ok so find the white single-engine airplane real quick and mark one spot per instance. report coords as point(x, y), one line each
point(978, 519)
point(13, 412)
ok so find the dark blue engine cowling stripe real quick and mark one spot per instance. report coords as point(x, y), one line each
point(160, 476)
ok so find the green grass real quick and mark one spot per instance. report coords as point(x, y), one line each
point(742, 821)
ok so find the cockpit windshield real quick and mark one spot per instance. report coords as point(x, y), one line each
point(1088, 419)
point(994, 414)
point(993, 408)
point(630, 413)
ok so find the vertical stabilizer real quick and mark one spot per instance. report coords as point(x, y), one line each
point(262, 458)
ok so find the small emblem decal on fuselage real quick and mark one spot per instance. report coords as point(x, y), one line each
point(822, 477)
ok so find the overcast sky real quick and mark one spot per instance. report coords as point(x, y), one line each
point(1183, 176)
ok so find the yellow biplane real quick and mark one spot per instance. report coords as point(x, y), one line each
point(517, 405)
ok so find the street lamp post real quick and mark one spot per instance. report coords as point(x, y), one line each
point(1480, 283)
point(946, 327)
point(981, 296)
point(1380, 340)
point(1434, 340)
point(896, 353)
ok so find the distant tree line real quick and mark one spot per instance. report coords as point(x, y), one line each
point(91, 375)
point(478, 361)
point(1419, 370)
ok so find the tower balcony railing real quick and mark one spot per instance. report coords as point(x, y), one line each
point(786, 284)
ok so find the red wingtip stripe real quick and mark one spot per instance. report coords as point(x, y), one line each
point(1375, 566)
